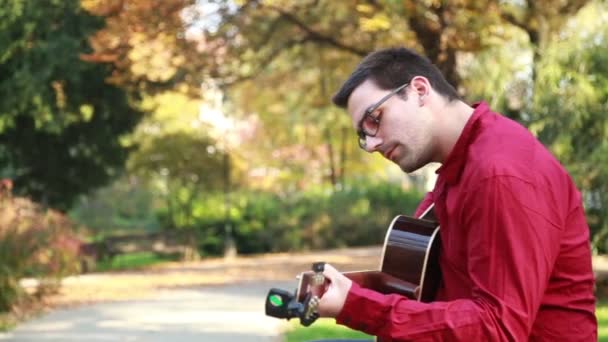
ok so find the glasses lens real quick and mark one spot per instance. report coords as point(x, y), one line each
point(362, 141)
point(370, 124)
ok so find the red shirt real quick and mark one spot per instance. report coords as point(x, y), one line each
point(515, 251)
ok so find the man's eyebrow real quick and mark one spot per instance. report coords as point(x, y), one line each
point(365, 113)
point(370, 107)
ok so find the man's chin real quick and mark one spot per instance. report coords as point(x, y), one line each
point(407, 170)
point(408, 167)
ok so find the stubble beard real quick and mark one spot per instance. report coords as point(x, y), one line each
point(412, 161)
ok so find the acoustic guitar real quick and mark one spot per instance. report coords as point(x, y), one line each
point(409, 266)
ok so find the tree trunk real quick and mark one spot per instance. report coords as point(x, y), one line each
point(332, 163)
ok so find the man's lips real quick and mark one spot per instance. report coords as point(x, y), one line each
point(390, 152)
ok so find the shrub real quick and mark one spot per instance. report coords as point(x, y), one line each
point(33, 243)
point(319, 218)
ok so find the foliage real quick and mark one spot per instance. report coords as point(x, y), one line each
point(565, 103)
point(569, 115)
point(266, 221)
point(253, 35)
point(251, 46)
point(264, 32)
point(35, 243)
point(7, 321)
point(145, 42)
point(319, 218)
point(131, 261)
point(60, 122)
point(275, 65)
point(178, 157)
point(124, 205)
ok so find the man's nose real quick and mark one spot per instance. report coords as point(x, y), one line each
point(372, 143)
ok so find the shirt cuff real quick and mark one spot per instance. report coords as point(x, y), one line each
point(376, 306)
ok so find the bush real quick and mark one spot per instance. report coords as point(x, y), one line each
point(320, 218)
point(33, 243)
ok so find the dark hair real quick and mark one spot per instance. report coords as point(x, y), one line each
point(390, 68)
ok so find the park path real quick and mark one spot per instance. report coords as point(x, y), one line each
point(214, 300)
point(218, 313)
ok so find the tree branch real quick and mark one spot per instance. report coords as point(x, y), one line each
point(317, 36)
point(265, 62)
point(510, 18)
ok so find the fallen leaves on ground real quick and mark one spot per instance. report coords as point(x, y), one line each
point(142, 284)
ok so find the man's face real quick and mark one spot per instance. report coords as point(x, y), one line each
point(405, 129)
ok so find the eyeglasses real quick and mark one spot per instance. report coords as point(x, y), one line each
point(369, 124)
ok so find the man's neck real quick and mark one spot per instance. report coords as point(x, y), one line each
point(454, 117)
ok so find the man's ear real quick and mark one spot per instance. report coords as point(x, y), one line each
point(422, 87)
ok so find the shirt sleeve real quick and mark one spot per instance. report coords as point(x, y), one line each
point(510, 248)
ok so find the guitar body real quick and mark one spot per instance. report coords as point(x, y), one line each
point(411, 254)
point(409, 265)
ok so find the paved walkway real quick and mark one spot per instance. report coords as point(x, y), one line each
point(214, 313)
point(184, 310)
point(221, 313)
point(600, 267)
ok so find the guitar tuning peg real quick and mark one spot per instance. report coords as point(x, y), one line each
point(318, 267)
point(311, 308)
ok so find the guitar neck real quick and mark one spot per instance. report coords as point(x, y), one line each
point(383, 283)
point(409, 262)
point(374, 280)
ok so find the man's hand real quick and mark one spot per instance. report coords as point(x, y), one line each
point(335, 294)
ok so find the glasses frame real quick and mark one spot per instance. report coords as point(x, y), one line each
point(362, 134)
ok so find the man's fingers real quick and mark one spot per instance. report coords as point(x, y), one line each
point(330, 272)
point(337, 288)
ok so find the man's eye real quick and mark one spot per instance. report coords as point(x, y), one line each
point(371, 120)
point(377, 114)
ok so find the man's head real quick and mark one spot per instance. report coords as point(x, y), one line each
point(390, 68)
point(392, 97)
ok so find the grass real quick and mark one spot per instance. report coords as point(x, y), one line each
point(27, 308)
point(327, 328)
point(601, 312)
point(132, 261)
point(7, 322)
point(323, 328)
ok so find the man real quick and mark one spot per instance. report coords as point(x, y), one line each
point(515, 254)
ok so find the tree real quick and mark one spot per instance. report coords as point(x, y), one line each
point(250, 46)
point(184, 168)
point(145, 41)
point(570, 111)
point(60, 122)
point(561, 98)
point(253, 45)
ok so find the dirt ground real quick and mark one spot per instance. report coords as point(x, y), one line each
point(142, 284)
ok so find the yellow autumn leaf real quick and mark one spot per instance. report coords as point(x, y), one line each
point(379, 22)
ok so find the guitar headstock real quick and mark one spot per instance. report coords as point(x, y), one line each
point(312, 282)
point(303, 304)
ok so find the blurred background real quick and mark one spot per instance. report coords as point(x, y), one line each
point(134, 132)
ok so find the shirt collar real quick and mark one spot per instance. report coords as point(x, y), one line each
point(454, 163)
